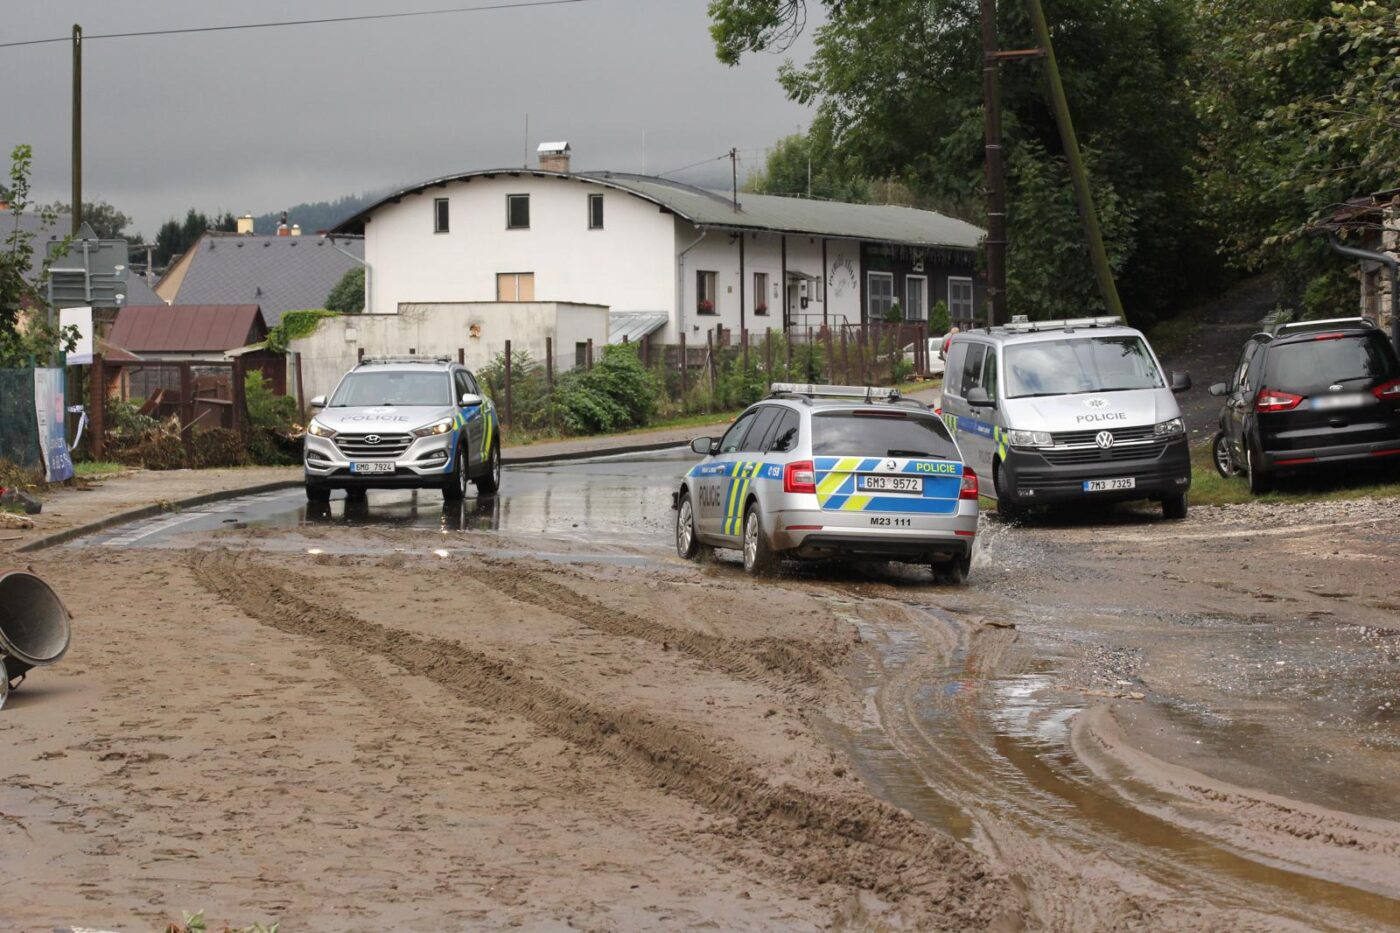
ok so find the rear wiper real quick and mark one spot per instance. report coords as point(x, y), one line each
point(914, 453)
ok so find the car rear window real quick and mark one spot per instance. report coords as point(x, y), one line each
point(881, 433)
point(1314, 364)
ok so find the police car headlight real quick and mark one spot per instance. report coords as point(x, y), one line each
point(1170, 428)
point(1030, 439)
point(437, 427)
point(318, 429)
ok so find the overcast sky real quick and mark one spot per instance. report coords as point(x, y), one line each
point(257, 120)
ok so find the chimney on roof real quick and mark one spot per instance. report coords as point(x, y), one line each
point(245, 225)
point(296, 229)
point(554, 157)
point(282, 228)
point(4, 204)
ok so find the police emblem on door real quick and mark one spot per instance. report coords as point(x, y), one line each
point(1104, 439)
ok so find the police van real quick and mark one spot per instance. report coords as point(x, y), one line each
point(1067, 411)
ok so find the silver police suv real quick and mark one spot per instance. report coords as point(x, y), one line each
point(404, 422)
point(831, 471)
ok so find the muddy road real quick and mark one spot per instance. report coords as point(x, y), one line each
point(527, 711)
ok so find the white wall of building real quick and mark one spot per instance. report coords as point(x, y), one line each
point(440, 329)
point(627, 265)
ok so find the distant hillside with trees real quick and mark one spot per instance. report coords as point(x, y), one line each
point(320, 215)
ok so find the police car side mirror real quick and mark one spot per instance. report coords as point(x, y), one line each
point(1181, 382)
point(468, 400)
point(977, 397)
point(703, 446)
point(318, 401)
point(1219, 390)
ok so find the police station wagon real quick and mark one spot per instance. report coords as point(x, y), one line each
point(831, 471)
point(1068, 411)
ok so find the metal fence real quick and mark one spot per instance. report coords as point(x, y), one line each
point(19, 426)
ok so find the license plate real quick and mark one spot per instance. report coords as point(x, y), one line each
point(906, 484)
point(1107, 485)
point(1334, 402)
point(371, 468)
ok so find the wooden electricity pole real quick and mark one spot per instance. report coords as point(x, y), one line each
point(995, 168)
point(77, 127)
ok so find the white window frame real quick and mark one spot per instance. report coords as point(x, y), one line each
point(713, 280)
point(915, 314)
point(971, 314)
point(870, 312)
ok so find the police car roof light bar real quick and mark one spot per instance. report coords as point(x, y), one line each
point(868, 393)
point(375, 360)
point(1030, 327)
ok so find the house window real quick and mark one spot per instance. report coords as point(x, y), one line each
point(705, 295)
point(760, 293)
point(915, 298)
point(880, 292)
point(515, 286)
point(517, 212)
point(960, 301)
point(439, 215)
point(595, 212)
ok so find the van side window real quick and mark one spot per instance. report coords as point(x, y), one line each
point(952, 375)
point(972, 367)
point(989, 373)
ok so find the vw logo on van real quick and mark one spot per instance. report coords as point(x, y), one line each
point(371, 438)
point(1104, 439)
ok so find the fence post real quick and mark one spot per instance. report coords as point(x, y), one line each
point(589, 359)
point(240, 398)
point(462, 356)
point(710, 341)
point(187, 412)
point(97, 430)
point(787, 367)
point(744, 336)
point(682, 357)
point(646, 352)
point(830, 357)
point(549, 363)
point(768, 352)
point(359, 354)
point(860, 354)
point(301, 388)
point(505, 419)
point(809, 375)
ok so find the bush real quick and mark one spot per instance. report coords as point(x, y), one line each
point(218, 447)
point(348, 296)
point(273, 433)
point(938, 320)
point(616, 394)
point(295, 324)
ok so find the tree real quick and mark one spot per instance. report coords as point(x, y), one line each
point(106, 221)
point(174, 238)
point(348, 296)
point(25, 328)
point(900, 83)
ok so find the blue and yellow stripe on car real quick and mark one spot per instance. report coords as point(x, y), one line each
point(740, 480)
point(837, 490)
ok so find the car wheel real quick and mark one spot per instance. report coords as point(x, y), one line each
point(952, 572)
point(455, 489)
point(1174, 507)
point(688, 543)
point(318, 493)
point(1260, 482)
point(759, 560)
point(1008, 509)
point(1223, 457)
point(490, 481)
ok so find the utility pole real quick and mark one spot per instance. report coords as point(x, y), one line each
point(77, 127)
point(995, 168)
point(1087, 213)
point(734, 164)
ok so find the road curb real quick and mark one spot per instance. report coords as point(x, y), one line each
point(507, 460)
point(150, 511)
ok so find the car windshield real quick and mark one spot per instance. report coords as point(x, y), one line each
point(881, 433)
point(1080, 364)
point(1330, 360)
point(393, 387)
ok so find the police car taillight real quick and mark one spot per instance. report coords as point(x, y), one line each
point(969, 484)
point(800, 477)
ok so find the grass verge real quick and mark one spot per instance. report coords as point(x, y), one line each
point(1208, 487)
point(89, 468)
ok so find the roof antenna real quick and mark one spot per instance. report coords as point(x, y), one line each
point(526, 162)
point(734, 164)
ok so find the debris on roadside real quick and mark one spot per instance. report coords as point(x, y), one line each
point(11, 520)
point(11, 498)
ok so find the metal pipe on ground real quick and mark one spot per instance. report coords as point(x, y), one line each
point(35, 627)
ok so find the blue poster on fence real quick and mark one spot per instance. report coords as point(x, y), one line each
point(53, 439)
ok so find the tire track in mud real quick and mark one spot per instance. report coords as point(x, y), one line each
point(757, 659)
point(932, 880)
point(1082, 858)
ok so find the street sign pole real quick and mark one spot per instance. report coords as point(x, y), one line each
point(77, 127)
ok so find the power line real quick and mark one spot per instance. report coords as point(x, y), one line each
point(723, 155)
point(298, 22)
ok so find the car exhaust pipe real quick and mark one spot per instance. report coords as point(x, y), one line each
point(35, 626)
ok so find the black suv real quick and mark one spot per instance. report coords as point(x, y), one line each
point(1314, 392)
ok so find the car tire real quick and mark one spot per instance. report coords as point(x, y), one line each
point(952, 572)
point(1223, 457)
point(489, 482)
point(688, 544)
point(759, 559)
point(1174, 507)
point(318, 493)
point(455, 489)
point(1260, 481)
point(1009, 510)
